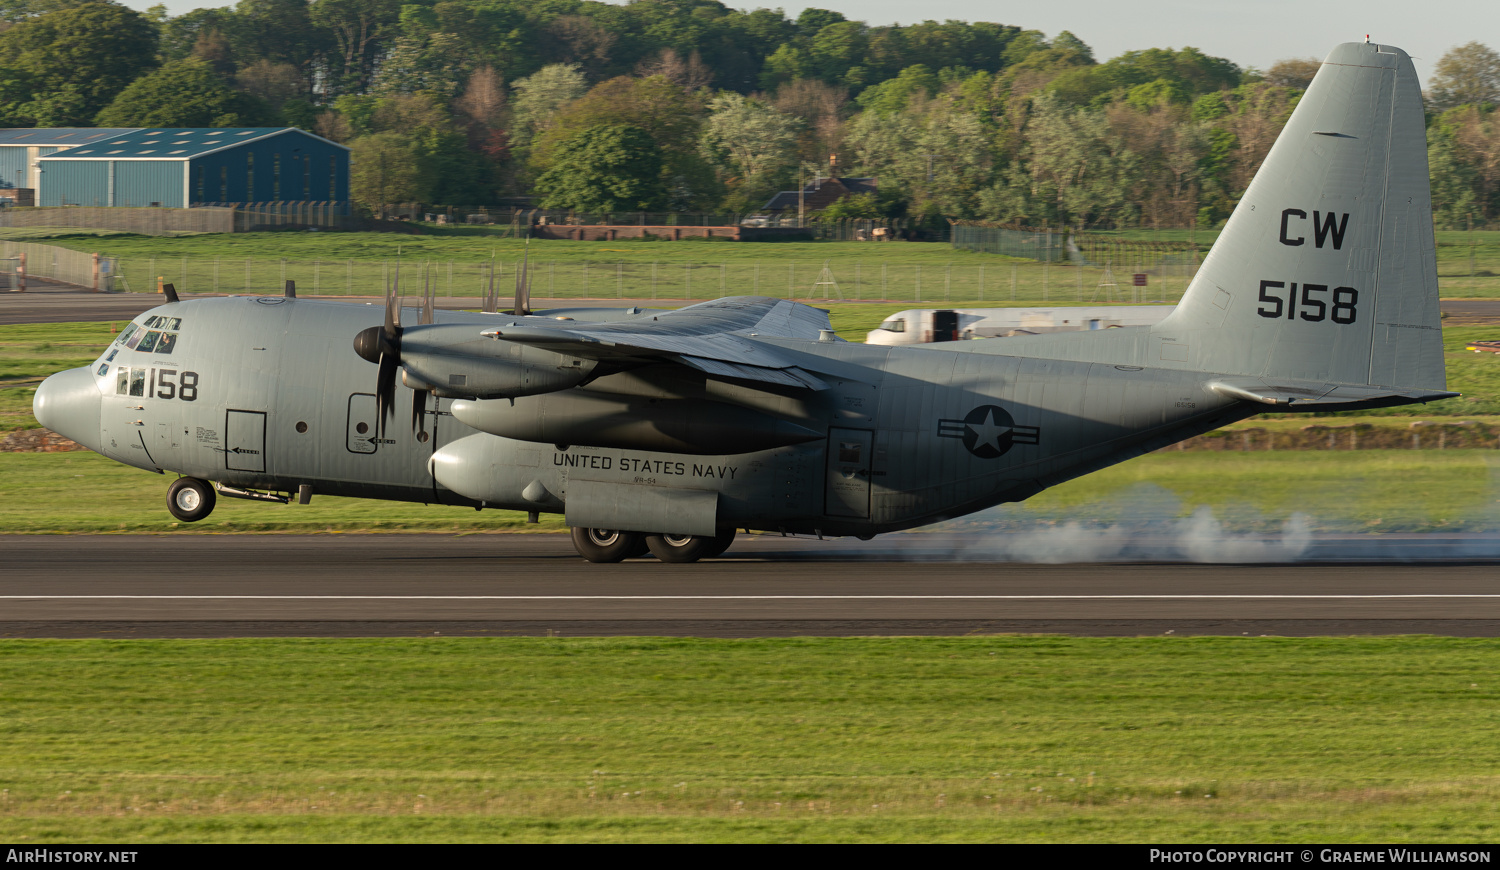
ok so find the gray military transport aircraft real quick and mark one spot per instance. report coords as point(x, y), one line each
point(670, 430)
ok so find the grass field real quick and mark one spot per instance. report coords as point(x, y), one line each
point(879, 739)
point(1355, 490)
point(1468, 266)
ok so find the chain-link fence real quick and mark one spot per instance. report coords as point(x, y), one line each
point(830, 280)
point(65, 265)
point(1044, 245)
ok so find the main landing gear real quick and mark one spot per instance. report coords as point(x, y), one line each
point(190, 499)
point(609, 545)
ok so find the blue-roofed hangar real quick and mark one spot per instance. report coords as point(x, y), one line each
point(174, 168)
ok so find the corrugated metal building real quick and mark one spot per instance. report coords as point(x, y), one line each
point(177, 168)
point(20, 149)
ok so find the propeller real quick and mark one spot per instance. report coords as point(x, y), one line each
point(491, 300)
point(428, 315)
point(523, 289)
point(382, 345)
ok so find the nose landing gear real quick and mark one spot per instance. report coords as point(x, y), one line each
point(190, 499)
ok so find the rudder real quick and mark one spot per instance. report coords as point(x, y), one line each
point(1327, 269)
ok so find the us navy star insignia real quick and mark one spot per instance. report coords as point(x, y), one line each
point(988, 431)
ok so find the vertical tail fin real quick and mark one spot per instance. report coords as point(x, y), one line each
point(1327, 269)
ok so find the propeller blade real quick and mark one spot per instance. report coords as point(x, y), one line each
point(429, 291)
point(490, 300)
point(392, 308)
point(523, 292)
point(385, 389)
point(419, 412)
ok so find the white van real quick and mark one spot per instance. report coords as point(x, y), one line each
point(923, 325)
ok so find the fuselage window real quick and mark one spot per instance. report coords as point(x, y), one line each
point(122, 380)
point(137, 382)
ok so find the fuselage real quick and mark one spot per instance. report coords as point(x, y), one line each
point(265, 393)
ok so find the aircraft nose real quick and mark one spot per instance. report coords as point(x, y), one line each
point(68, 403)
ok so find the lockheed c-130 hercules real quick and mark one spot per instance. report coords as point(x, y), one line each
point(670, 430)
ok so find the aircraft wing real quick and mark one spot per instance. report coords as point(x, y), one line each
point(717, 338)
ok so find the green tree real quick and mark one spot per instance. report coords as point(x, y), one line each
point(20, 10)
point(939, 161)
point(1468, 74)
point(75, 61)
point(670, 115)
point(1080, 172)
point(892, 95)
point(753, 138)
point(357, 31)
point(755, 145)
point(540, 96)
point(608, 168)
point(184, 93)
point(383, 169)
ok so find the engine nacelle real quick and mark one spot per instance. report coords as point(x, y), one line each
point(472, 377)
point(601, 420)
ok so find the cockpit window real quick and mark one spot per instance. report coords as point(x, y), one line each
point(175, 324)
point(895, 324)
point(135, 340)
point(151, 321)
point(129, 331)
point(148, 343)
point(167, 341)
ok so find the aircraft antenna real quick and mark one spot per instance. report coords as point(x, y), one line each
point(826, 280)
point(1107, 281)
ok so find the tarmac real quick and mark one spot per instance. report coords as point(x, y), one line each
point(201, 585)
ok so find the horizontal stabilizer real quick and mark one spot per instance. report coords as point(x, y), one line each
point(1335, 397)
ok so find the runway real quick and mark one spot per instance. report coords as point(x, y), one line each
point(497, 585)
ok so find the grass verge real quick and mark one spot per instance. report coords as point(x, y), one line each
point(1346, 490)
point(642, 739)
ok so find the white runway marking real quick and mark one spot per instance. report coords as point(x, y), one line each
point(1227, 597)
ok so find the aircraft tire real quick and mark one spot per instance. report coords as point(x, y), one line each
point(607, 545)
point(689, 548)
point(190, 499)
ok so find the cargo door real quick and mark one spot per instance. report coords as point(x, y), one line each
point(848, 493)
point(245, 441)
point(945, 326)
